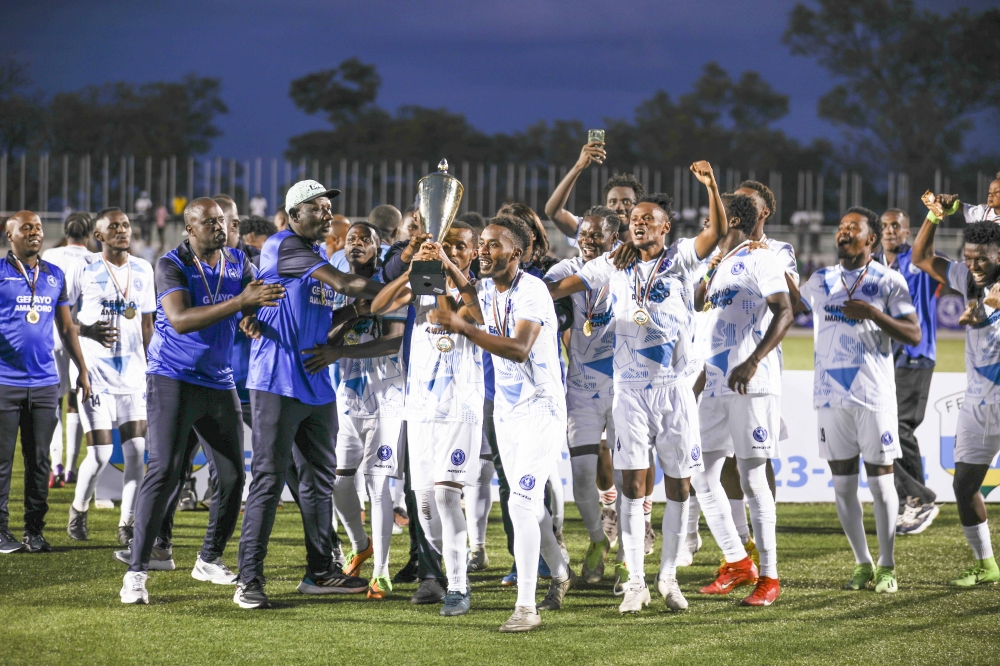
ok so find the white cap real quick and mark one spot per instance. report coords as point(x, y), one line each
point(306, 190)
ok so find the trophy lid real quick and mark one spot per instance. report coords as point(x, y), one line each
point(443, 165)
point(439, 195)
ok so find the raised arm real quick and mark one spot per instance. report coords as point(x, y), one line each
point(187, 319)
point(349, 284)
point(705, 242)
point(555, 207)
point(923, 252)
point(394, 295)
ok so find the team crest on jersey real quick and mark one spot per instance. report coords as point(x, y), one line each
point(384, 452)
point(886, 438)
point(869, 288)
point(738, 268)
point(660, 292)
point(233, 272)
point(137, 283)
point(458, 457)
point(696, 453)
point(52, 281)
point(527, 482)
point(760, 434)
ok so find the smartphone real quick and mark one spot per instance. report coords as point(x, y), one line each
point(595, 135)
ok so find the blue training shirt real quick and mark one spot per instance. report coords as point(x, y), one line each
point(301, 321)
point(25, 348)
point(202, 357)
point(923, 291)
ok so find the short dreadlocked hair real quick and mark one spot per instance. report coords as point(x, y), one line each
point(624, 180)
point(661, 199)
point(982, 233)
point(765, 193)
point(743, 207)
point(874, 221)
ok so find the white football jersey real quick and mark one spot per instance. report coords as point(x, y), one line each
point(786, 256)
point(442, 386)
point(591, 364)
point(739, 317)
point(662, 351)
point(65, 258)
point(121, 369)
point(532, 388)
point(982, 346)
point(853, 359)
point(977, 213)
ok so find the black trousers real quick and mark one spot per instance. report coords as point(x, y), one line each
point(279, 423)
point(912, 387)
point(33, 411)
point(173, 409)
point(429, 564)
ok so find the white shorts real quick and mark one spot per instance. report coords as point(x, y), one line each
point(369, 445)
point(529, 450)
point(440, 451)
point(107, 411)
point(978, 438)
point(588, 418)
point(746, 426)
point(845, 433)
point(664, 419)
point(62, 369)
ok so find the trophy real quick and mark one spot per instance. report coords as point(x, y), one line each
point(439, 195)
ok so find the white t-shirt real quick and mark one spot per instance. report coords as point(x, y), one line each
point(785, 255)
point(853, 359)
point(121, 369)
point(442, 386)
point(591, 364)
point(258, 206)
point(979, 213)
point(739, 318)
point(532, 388)
point(982, 346)
point(65, 258)
point(661, 352)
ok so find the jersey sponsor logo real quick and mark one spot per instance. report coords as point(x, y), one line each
point(738, 268)
point(695, 453)
point(886, 438)
point(760, 434)
point(869, 288)
point(458, 457)
point(207, 300)
point(51, 279)
point(833, 313)
point(527, 482)
point(384, 452)
point(660, 292)
point(723, 297)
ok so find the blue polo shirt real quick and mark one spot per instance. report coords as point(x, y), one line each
point(202, 357)
point(923, 291)
point(26, 349)
point(301, 321)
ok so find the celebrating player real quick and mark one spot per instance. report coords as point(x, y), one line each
point(859, 307)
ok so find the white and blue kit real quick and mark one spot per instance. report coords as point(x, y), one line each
point(65, 257)
point(854, 386)
point(654, 356)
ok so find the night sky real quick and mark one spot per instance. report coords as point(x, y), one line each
point(504, 64)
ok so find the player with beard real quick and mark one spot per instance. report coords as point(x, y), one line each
point(443, 410)
point(978, 438)
point(370, 399)
point(859, 307)
point(589, 379)
point(653, 403)
point(115, 289)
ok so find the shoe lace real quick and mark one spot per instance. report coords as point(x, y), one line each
point(136, 583)
point(7, 535)
point(974, 570)
point(883, 575)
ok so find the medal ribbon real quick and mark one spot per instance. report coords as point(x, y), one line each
point(204, 280)
point(128, 280)
point(851, 290)
point(31, 281)
point(593, 306)
point(640, 296)
point(496, 297)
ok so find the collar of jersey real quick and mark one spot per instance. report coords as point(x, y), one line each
point(12, 261)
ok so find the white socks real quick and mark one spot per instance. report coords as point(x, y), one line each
point(978, 537)
point(349, 508)
point(675, 518)
point(429, 517)
point(712, 498)
point(478, 501)
point(56, 445)
point(549, 547)
point(74, 438)
point(694, 513)
point(527, 547)
point(381, 499)
point(133, 450)
point(845, 486)
point(633, 525)
point(586, 495)
point(454, 536)
point(883, 489)
point(97, 459)
point(738, 510)
point(763, 512)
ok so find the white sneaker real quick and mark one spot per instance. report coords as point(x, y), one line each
point(691, 545)
point(524, 618)
point(671, 592)
point(134, 588)
point(636, 596)
point(213, 572)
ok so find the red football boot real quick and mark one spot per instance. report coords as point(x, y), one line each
point(767, 592)
point(731, 576)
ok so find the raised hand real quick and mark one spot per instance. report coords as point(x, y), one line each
point(413, 247)
point(933, 203)
point(592, 152)
point(258, 294)
point(702, 170)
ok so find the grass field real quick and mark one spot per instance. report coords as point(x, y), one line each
point(798, 353)
point(63, 607)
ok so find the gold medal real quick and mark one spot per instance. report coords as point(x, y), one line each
point(641, 317)
point(33, 317)
point(352, 337)
point(444, 344)
point(588, 328)
point(130, 312)
point(707, 307)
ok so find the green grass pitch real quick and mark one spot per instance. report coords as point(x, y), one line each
point(798, 353)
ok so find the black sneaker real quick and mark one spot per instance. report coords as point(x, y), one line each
point(125, 534)
point(77, 527)
point(251, 595)
point(334, 581)
point(36, 543)
point(8, 544)
point(407, 574)
point(431, 591)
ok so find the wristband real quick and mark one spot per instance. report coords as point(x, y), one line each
point(934, 219)
point(951, 210)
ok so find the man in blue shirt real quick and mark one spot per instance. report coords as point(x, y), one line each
point(914, 369)
point(202, 286)
point(33, 301)
point(291, 405)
